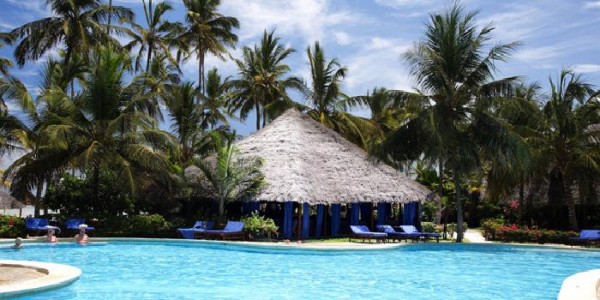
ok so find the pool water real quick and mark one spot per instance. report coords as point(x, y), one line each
point(179, 270)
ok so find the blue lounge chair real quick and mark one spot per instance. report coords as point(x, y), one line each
point(234, 230)
point(392, 233)
point(38, 225)
point(73, 224)
point(410, 229)
point(363, 232)
point(199, 226)
point(586, 237)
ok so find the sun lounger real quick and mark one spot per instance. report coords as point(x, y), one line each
point(410, 229)
point(38, 225)
point(395, 235)
point(199, 226)
point(363, 232)
point(586, 237)
point(234, 230)
point(73, 224)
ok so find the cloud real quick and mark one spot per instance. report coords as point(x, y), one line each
point(342, 38)
point(398, 4)
point(592, 5)
point(587, 68)
point(539, 53)
point(307, 19)
point(378, 64)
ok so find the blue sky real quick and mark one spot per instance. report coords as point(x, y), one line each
point(369, 36)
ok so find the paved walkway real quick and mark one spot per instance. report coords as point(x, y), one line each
point(475, 236)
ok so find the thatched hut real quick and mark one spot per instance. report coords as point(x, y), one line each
point(9, 202)
point(307, 163)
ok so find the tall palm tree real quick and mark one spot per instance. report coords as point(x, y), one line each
point(208, 31)
point(456, 127)
point(79, 25)
point(185, 118)
point(157, 37)
point(214, 102)
point(571, 149)
point(523, 114)
point(108, 125)
point(262, 85)
point(327, 103)
point(227, 175)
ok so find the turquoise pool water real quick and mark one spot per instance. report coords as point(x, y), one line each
point(164, 270)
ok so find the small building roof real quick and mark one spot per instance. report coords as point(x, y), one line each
point(307, 162)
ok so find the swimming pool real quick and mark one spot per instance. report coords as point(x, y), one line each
point(180, 270)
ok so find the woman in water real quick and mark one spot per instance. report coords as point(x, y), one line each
point(81, 237)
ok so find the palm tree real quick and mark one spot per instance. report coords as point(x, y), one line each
point(108, 125)
point(456, 127)
point(523, 114)
point(262, 86)
point(185, 118)
point(208, 32)
point(228, 176)
point(79, 25)
point(569, 146)
point(213, 107)
point(327, 103)
point(156, 38)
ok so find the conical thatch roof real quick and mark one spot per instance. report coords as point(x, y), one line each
point(9, 202)
point(307, 162)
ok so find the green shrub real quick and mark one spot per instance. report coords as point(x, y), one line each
point(451, 228)
point(148, 225)
point(11, 227)
point(490, 226)
point(429, 227)
point(259, 226)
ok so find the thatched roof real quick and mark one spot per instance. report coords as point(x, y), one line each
point(9, 202)
point(307, 162)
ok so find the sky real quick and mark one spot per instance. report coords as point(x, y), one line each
point(369, 36)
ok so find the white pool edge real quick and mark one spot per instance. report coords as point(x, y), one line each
point(581, 286)
point(58, 275)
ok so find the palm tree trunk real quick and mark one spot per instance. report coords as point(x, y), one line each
point(264, 120)
point(570, 202)
point(149, 58)
point(521, 202)
point(257, 107)
point(459, 213)
point(438, 208)
point(109, 17)
point(38, 198)
point(221, 210)
point(201, 73)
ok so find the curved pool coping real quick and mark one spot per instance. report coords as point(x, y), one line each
point(57, 275)
point(581, 286)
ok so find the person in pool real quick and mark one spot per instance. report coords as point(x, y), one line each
point(50, 237)
point(81, 237)
point(18, 243)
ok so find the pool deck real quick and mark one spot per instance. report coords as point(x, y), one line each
point(21, 277)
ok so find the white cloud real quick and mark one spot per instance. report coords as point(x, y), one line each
point(593, 4)
point(342, 38)
point(308, 19)
point(518, 24)
point(378, 64)
point(587, 68)
point(404, 3)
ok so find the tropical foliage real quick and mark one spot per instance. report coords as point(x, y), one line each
point(110, 113)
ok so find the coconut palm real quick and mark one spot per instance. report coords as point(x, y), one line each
point(213, 107)
point(326, 102)
point(207, 31)
point(227, 175)
point(78, 25)
point(569, 145)
point(456, 127)
point(262, 85)
point(185, 117)
point(157, 37)
point(107, 125)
